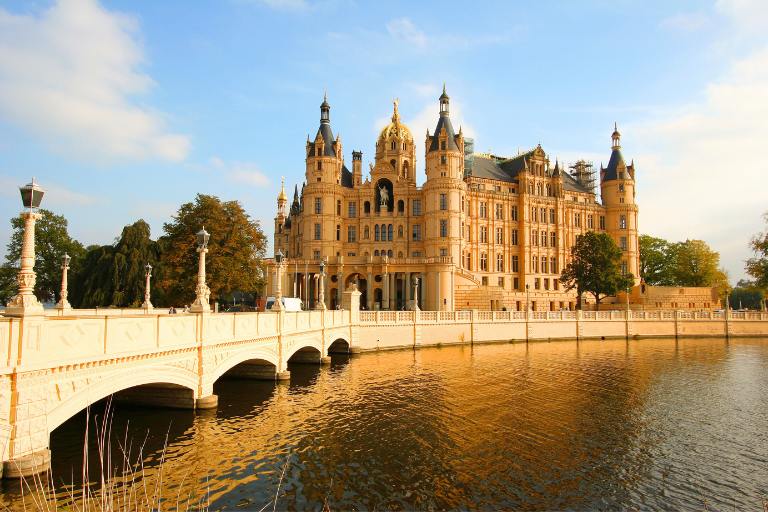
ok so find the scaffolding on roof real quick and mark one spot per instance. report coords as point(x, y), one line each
point(583, 171)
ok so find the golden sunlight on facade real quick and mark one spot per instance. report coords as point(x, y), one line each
point(483, 232)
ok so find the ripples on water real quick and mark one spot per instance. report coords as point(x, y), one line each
point(651, 424)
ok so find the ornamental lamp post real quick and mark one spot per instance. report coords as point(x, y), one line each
point(24, 302)
point(321, 292)
point(63, 303)
point(147, 306)
point(202, 292)
point(278, 304)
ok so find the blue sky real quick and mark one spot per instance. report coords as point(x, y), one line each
point(125, 109)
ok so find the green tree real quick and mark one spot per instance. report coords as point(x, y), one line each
point(114, 275)
point(52, 242)
point(235, 250)
point(656, 267)
point(595, 267)
point(757, 267)
point(695, 264)
point(747, 295)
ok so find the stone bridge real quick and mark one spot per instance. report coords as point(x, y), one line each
point(52, 367)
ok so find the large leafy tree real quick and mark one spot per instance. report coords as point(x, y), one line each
point(595, 267)
point(695, 264)
point(757, 267)
point(114, 275)
point(52, 242)
point(235, 250)
point(656, 267)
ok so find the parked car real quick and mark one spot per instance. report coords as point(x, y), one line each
point(289, 303)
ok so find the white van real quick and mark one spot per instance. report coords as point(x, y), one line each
point(289, 303)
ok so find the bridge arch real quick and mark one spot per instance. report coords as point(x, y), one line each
point(305, 353)
point(339, 346)
point(121, 380)
point(259, 357)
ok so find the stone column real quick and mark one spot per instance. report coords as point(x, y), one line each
point(393, 291)
point(407, 289)
point(147, 305)
point(25, 302)
point(278, 304)
point(385, 290)
point(369, 291)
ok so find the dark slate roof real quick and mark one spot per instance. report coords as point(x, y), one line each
point(489, 168)
point(450, 144)
point(616, 161)
point(514, 166)
point(570, 184)
point(346, 177)
point(327, 134)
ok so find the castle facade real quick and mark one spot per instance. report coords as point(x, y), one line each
point(483, 232)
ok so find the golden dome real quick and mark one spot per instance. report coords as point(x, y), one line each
point(282, 196)
point(396, 129)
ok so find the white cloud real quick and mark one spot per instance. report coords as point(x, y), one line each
point(69, 76)
point(241, 172)
point(747, 15)
point(404, 30)
point(704, 160)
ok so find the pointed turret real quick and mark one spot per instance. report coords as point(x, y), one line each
point(443, 123)
point(616, 166)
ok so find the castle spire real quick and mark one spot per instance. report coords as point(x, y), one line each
point(616, 137)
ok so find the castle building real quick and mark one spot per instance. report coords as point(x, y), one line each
point(483, 232)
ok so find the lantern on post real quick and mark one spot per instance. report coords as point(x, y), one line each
point(147, 305)
point(63, 303)
point(321, 288)
point(278, 304)
point(202, 292)
point(25, 302)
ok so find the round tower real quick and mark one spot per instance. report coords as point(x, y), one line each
point(617, 191)
point(444, 196)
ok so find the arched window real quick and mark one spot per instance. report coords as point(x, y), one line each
point(399, 231)
point(366, 233)
point(549, 190)
point(401, 207)
point(383, 232)
point(376, 252)
point(376, 232)
point(393, 146)
point(393, 163)
point(367, 207)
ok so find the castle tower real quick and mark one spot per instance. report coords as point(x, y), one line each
point(444, 197)
point(617, 190)
point(280, 219)
point(322, 197)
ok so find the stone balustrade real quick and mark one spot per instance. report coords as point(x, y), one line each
point(53, 366)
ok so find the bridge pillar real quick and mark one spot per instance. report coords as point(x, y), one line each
point(352, 305)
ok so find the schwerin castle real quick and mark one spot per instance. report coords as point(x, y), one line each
point(483, 232)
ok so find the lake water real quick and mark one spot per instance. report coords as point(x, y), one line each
point(649, 424)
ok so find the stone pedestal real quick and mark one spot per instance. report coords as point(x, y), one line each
point(28, 465)
point(207, 402)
